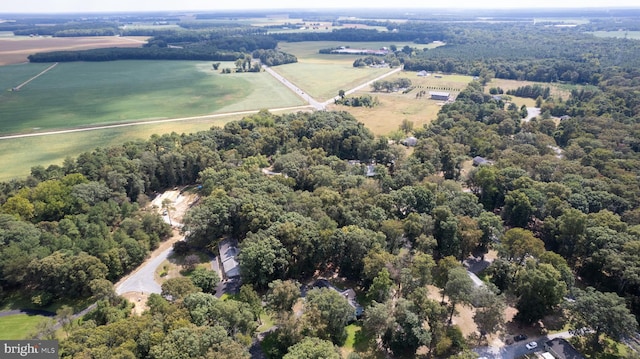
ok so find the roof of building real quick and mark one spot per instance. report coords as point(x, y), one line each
point(228, 251)
point(562, 349)
point(370, 171)
point(547, 355)
point(410, 141)
point(477, 161)
point(438, 93)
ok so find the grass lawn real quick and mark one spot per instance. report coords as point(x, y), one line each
point(352, 330)
point(18, 326)
point(89, 93)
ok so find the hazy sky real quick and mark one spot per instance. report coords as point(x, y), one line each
point(45, 6)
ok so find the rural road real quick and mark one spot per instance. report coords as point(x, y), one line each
point(317, 105)
point(313, 102)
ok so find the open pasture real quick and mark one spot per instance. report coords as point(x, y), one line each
point(90, 93)
point(15, 49)
point(395, 107)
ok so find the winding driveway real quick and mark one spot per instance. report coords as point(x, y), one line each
point(143, 279)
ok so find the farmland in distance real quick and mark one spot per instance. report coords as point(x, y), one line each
point(86, 93)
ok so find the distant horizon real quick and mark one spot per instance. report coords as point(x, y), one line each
point(188, 6)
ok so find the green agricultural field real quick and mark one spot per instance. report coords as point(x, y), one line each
point(88, 93)
point(18, 326)
point(13, 75)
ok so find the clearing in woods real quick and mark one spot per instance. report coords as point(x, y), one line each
point(394, 107)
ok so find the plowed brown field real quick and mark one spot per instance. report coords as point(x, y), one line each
point(15, 49)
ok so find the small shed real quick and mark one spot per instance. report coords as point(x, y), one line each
point(480, 161)
point(410, 141)
point(440, 96)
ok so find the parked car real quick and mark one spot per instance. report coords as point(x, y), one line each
point(519, 337)
point(531, 345)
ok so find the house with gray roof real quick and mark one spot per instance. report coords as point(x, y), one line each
point(228, 252)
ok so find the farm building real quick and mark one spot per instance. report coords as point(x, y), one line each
point(423, 73)
point(440, 96)
point(228, 252)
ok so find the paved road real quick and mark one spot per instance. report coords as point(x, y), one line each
point(317, 105)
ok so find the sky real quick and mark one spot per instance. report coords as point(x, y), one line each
point(65, 6)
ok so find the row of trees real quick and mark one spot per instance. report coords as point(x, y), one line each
point(390, 86)
point(357, 101)
point(145, 53)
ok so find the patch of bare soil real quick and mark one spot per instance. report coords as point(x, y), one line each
point(464, 314)
point(139, 300)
